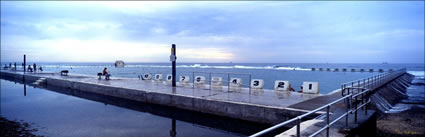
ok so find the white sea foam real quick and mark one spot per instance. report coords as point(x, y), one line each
point(419, 74)
point(69, 66)
point(292, 68)
point(186, 66)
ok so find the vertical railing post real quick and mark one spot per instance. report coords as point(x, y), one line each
point(345, 87)
point(358, 83)
point(193, 80)
point(368, 83)
point(298, 127)
point(349, 90)
point(365, 106)
point(383, 78)
point(368, 86)
point(228, 81)
point(355, 110)
point(327, 120)
point(377, 81)
point(209, 76)
point(347, 108)
point(249, 85)
point(363, 100)
point(374, 81)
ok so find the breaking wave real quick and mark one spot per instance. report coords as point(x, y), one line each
point(417, 74)
point(274, 67)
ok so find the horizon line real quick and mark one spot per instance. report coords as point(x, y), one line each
point(227, 62)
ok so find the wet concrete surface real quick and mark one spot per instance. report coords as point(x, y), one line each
point(319, 102)
point(261, 106)
point(245, 95)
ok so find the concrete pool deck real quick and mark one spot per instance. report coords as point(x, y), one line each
point(263, 106)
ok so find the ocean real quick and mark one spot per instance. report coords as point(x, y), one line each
point(295, 73)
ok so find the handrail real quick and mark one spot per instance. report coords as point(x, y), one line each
point(372, 83)
point(403, 69)
point(299, 118)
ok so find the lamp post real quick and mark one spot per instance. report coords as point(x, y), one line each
point(173, 63)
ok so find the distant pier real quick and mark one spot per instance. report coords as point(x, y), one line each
point(351, 70)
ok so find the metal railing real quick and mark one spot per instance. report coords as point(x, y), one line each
point(353, 102)
point(371, 82)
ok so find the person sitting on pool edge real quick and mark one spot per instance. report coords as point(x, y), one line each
point(301, 91)
point(106, 74)
point(29, 68)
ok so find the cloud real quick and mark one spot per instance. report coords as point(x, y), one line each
point(223, 31)
point(202, 54)
point(400, 33)
point(159, 31)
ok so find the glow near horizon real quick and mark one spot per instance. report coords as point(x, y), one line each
point(313, 32)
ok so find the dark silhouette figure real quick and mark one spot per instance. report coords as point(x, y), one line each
point(35, 67)
point(106, 73)
point(29, 68)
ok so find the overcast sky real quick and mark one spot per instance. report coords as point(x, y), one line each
point(280, 32)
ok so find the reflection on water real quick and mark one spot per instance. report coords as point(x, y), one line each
point(25, 89)
point(173, 132)
point(65, 112)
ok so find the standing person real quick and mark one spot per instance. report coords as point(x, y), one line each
point(35, 67)
point(10, 65)
point(14, 65)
